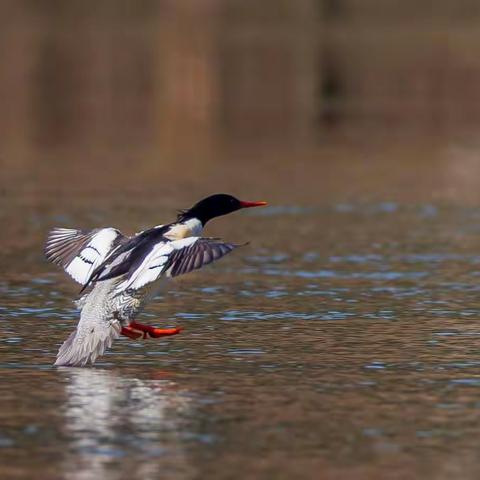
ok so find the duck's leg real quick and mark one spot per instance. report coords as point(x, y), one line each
point(132, 332)
point(138, 330)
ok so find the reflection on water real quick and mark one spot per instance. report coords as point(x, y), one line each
point(343, 341)
point(350, 350)
point(109, 416)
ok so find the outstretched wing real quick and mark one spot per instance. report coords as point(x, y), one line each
point(178, 257)
point(80, 253)
point(203, 251)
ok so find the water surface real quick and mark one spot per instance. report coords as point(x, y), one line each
point(348, 349)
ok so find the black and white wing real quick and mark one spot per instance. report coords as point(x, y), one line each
point(80, 253)
point(170, 259)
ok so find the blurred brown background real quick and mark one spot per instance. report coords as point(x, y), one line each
point(318, 95)
point(344, 339)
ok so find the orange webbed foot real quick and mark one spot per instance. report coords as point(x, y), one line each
point(139, 331)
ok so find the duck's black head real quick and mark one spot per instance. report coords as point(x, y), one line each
point(216, 206)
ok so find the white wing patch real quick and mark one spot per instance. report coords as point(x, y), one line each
point(80, 253)
point(153, 264)
point(175, 258)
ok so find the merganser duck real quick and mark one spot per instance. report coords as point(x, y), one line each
point(127, 272)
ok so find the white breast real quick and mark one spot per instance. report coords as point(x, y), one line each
point(189, 228)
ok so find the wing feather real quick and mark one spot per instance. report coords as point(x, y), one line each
point(171, 259)
point(79, 253)
point(200, 253)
